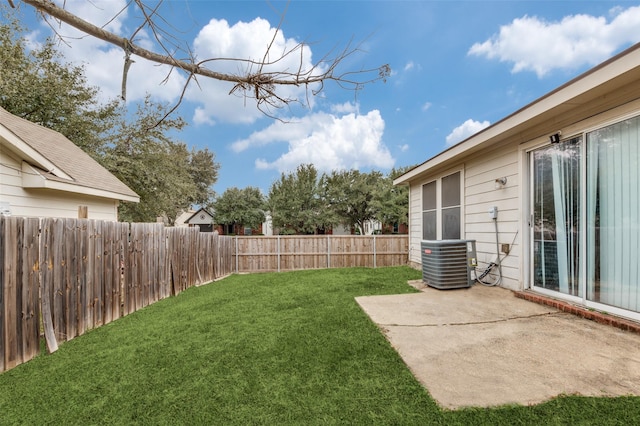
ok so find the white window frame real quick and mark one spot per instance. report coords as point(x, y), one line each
point(439, 221)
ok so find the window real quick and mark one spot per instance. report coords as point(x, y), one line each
point(441, 208)
point(451, 206)
point(429, 206)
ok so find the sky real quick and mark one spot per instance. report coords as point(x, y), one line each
point(456, 68)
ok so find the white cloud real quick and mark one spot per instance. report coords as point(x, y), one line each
point(345, 108)
point(328, 141)
point(246, 40)
point(201, 117)
point(409, 66)
point(104, 62)
point(426, 106)
point(533, 44)
point(466, 129)
point(404, 147)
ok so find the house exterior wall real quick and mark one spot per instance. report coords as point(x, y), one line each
point(479, 194)
point(204, 220)
point(46, 203)
point(507, 159)
point(568, 213)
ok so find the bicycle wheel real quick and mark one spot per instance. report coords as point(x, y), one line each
point(492, 276)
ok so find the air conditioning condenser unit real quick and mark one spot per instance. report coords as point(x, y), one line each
point(447, 264)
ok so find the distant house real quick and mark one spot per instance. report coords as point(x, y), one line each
point(44, 174)
point(183, 217)
point(265, 228)
point(201, 218)
point(239, 229)
point(372, 227)
point(561, 177)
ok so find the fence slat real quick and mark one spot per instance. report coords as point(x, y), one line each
point(70, 278)
point(97, 272)
point(30, 296)
point(46, 287)
point(9, 344)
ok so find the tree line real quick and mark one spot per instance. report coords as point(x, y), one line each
point(305, 202)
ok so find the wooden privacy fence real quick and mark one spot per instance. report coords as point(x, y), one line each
point(67, 276)
point(63, 277)
point(286, 253)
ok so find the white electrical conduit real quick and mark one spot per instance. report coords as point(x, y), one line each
point(498, 262)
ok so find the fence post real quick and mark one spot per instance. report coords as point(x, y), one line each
point(278, 252)
point(374, 251)
point(237, 254)
point(328, 251)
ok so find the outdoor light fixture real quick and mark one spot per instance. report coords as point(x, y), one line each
point(501, 182)
point(555, 138)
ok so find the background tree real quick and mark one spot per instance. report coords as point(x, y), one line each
point(142, 155)
point(256, 78)
point(240, 207)
point(349, 195)
point(391, 202)
point(37, 85)
point(295, 204)
point(204, 173)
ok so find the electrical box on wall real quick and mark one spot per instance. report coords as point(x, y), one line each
point(493, 212)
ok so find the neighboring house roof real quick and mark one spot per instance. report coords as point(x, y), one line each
point(202, 215)
point(612, 83)
point(183, 217)
point(52, 161)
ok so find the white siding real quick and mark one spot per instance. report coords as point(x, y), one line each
point(205, 220)
point(46, 203)
point(415, 221)
point(480, 194)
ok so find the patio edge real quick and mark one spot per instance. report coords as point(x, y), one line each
point(599, 317)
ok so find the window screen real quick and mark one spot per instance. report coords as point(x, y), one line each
point(442, 221)
point(451, 190)
point(429, 200)
point(429, 212)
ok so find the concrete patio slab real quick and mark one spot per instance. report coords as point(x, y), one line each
point(484, 347)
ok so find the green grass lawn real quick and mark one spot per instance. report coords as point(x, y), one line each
point(272, 349)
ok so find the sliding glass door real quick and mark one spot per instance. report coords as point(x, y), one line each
point(556, 217)
point(613, 215)
point(585, 217)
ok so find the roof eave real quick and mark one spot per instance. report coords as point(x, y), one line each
point(31, 178)
point(24, 151)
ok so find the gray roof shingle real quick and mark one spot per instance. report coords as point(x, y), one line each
point(65, 155)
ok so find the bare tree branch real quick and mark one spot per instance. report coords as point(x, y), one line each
point(253, 82)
